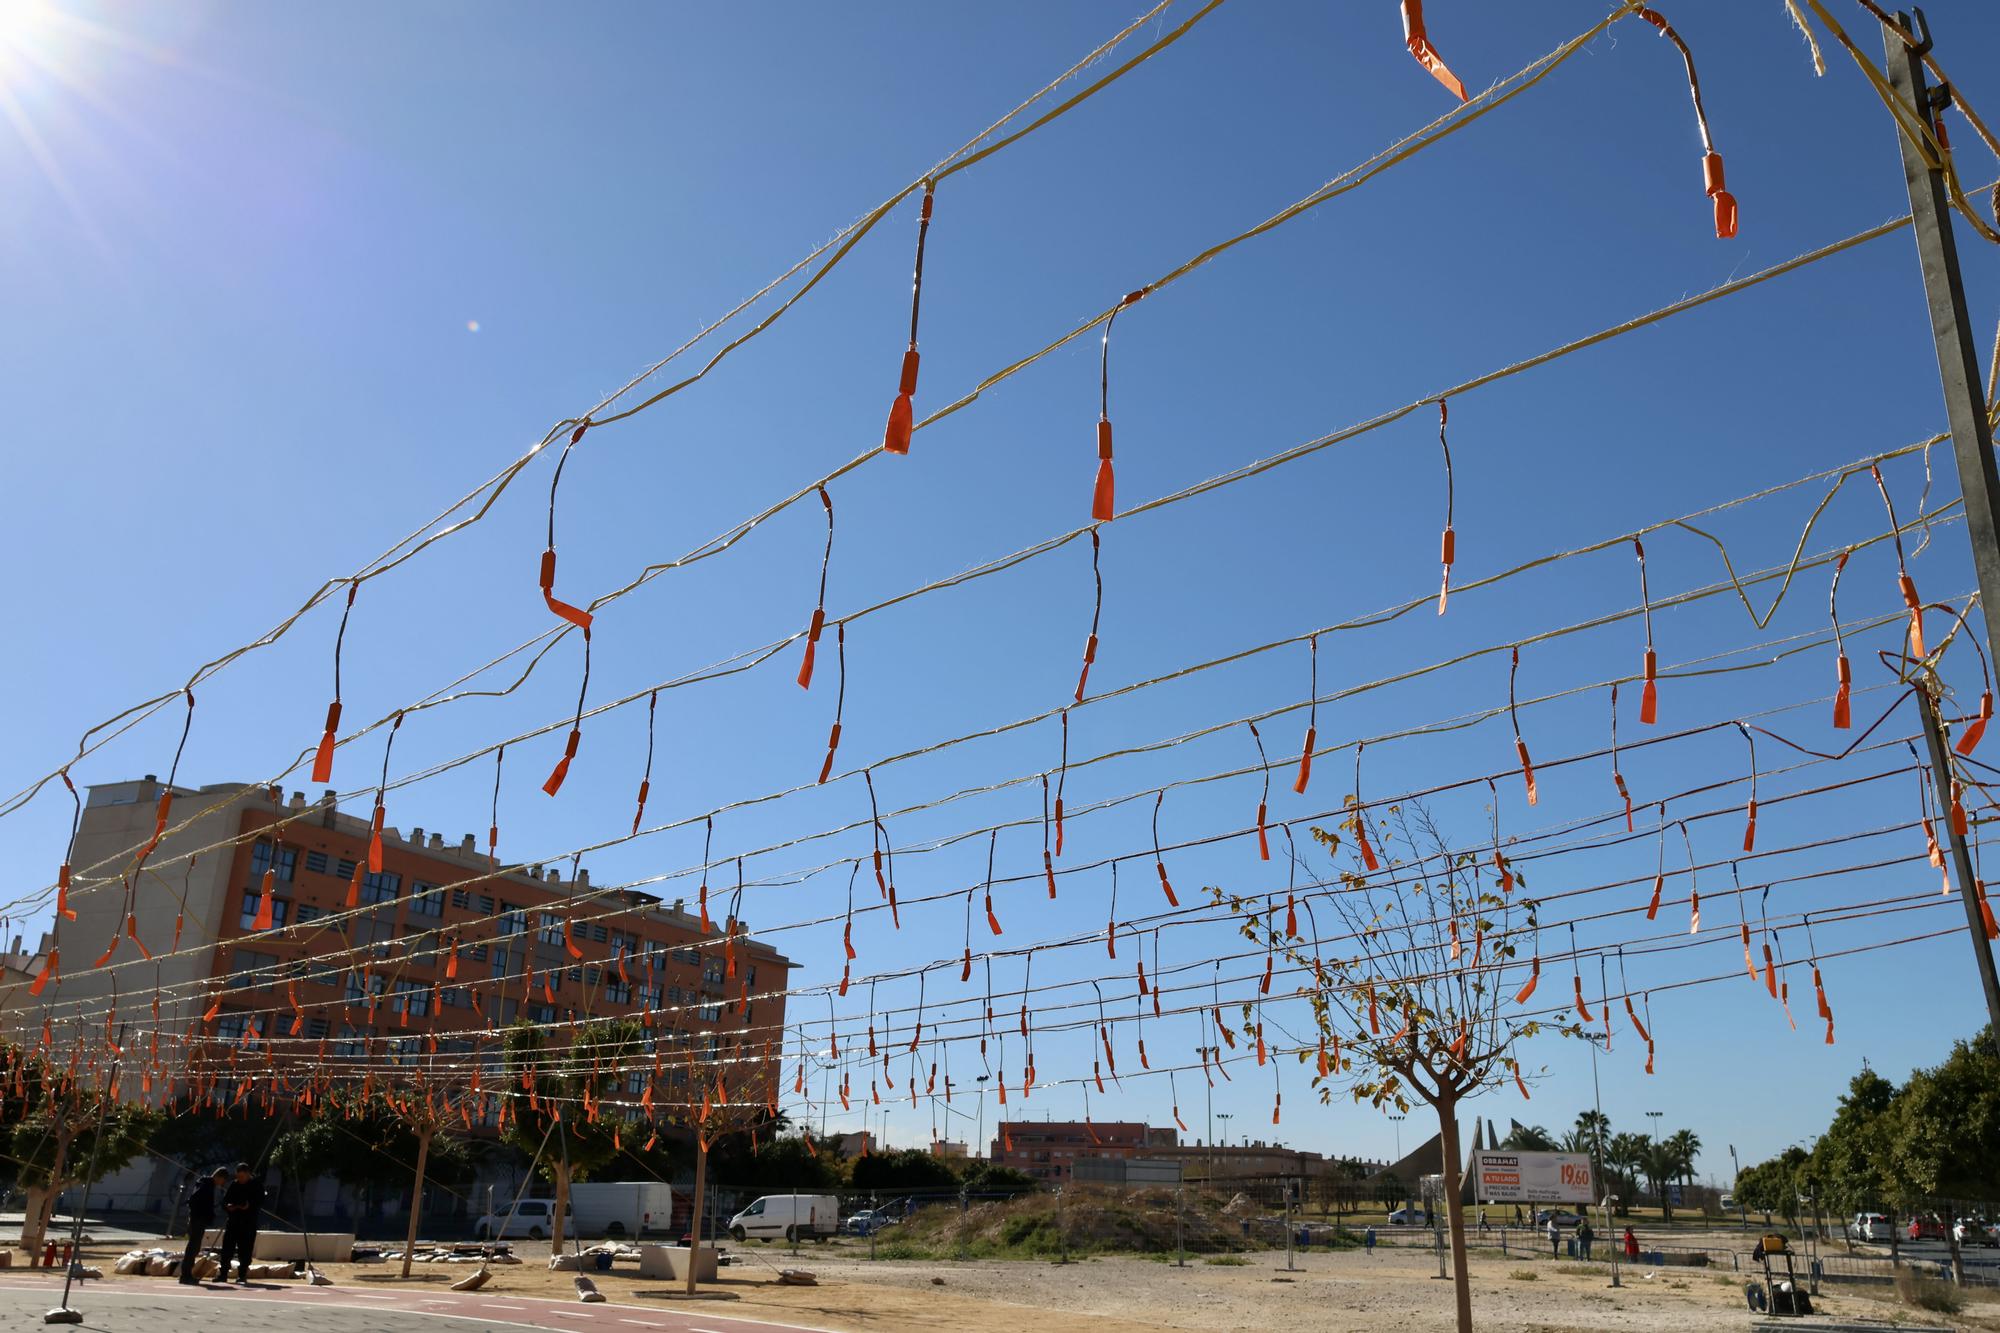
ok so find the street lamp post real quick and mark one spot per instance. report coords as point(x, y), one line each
point(1654, 1116)
point(981, 1081)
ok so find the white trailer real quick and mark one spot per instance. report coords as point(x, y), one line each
point(621, 1208)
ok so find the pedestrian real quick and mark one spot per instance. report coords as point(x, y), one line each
point(1517, 1214)
point(200, 1204)
point(1584, 1235)
point(241, 1203)
point(1482, 1219)
point(1555, 1238)
point(1631, 1247)
point(1368, 1239)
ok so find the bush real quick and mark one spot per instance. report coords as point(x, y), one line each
point(1225, 1261)
point(1525, 1275)
point(1928, 1293)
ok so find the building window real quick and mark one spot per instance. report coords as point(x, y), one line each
point(592, 976)
point(618, 992)
point(247, 961)
point(355, 993)
point(453, 997)
point(286, 862)
point(381, 887)
point(307, 912)
point(552, 928)
point(478, 953)
point(280, 909)
point(343, 869)
point(598, 933)
point(709, 1013)
point(542, 1013)
point(461, 899)
point(230, 1027)
point(316, 862)
point(316, 1029)
point(413, 996)
point(485, 902)
point(504, 961)
point(425, 900)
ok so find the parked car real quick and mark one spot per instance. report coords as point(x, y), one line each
point(1564, 1217)
point(620, 1208)
point(1869, 1226)
point(792, 1216)
point(531, 1218)
point(1972, 1231)
point(1410, 1217)
point(1925, 1228)
point(868, 1221)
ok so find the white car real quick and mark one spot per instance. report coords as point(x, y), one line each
point(1869, 1226)
point(1409, 1217)
point(531, 1218)
point(1972, 1231)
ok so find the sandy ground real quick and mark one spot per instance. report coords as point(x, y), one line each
point(1330, 1293)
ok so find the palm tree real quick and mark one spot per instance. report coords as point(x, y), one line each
point(1626, 1156)
point(1530, 1138)
point(1593, 1128)
point(1687, 1146)
point(1662, 1164)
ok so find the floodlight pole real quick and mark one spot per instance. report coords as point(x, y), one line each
point(1903, 49)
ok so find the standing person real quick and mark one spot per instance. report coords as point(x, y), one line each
point(1368, 1239)
point(1631, 1247)
point(1482, 1219)
point(241, 1203)
point(1555, 1238)
point(1585, 1234)
point(200, 1204)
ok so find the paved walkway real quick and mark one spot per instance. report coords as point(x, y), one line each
point(161, 1306)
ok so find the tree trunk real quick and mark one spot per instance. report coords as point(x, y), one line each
point(35, 1219)
point(31, 1219)
point(1461, 1282)
point(694, 1222)
point(417, 1195)
point(560, 1215)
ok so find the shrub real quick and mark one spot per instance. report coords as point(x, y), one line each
point(1225, 1261)
point(1928, 1293)
point(1525, 1275)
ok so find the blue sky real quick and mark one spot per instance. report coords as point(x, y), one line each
point(244, 245)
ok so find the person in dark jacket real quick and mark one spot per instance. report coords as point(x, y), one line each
point(242, 1202)
point(200, 1205)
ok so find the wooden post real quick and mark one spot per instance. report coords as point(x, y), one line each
point(417, 1194)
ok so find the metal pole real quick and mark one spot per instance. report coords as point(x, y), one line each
point(1180, 1244)
point(1965, 408)
point(1961, 858)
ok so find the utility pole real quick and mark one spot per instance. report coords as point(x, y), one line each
point(1965, 408)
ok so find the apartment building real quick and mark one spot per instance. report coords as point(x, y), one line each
point(1049, 1149)
point(527, 944)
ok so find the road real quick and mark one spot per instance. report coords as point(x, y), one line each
point(164, 1307)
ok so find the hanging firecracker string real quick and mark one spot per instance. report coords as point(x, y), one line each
point(1361, 814)
point(707, 860)
point(1819, 984)
point(1694, 889)
point(1448, 544)
point(1048, 863)
point(1419, 44)
point(381, 790)
point(646, 779)
point(1156, 972)
point(1514, 717)
point(885, 883)
point(554, 782)
point(1977, 727)
point(1648, 698)
point(1312, 719)
point(166, 804)
point(839, 699)
point(1534, 971)
point(322, 769)
point(1096, 614)
point(1750, 810)
point(1625, 986)
point(1844, 674)
point(1743, 924)
point(63, 909)
point(1617, 775)
point(1062, 776)
point(574, 615)
point(1291, 897)
point(1103, 501)
point(1582, 1009)
point(1264, 800)
point(1933, 851)
point(902, 414)
point(1771, 985)
point(819, 607)
point(1159, 860)
point(1904, 585)
point(1501, 867)
point(1711, 162)
point(1111, 920)
point(493, 830)
point(1660, 874)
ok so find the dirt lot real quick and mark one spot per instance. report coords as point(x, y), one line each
point(1340, 1291)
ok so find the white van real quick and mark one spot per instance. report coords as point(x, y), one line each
point(788, 1216)
point(621, 1208)
point(531, 1219)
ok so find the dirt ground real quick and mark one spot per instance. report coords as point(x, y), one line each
point(1330, 1293)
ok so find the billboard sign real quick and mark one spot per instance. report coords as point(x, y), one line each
point(1532, 1177)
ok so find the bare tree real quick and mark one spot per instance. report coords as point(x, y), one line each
point(1413, 1008)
